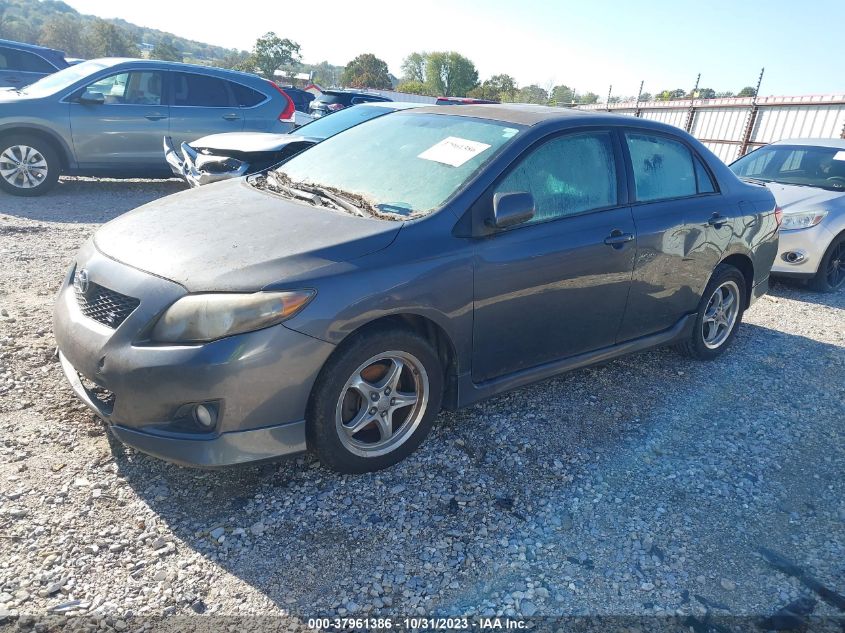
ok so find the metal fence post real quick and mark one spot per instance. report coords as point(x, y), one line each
point(752, 118)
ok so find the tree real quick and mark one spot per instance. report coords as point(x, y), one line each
point(64, 32)
point(166, 51)
point(496, 88)
point(109, 40)
point(590, 97)
point(413, 68)
point(748, 91)
point(705, 93)
point(326, 75)
point(645, 96)
point(233, 59)
point(413, 87)
point(450, 74)
point(367, 71)
point(562, 95)
point(533, 94)
point(725, 94)
point(272, 53)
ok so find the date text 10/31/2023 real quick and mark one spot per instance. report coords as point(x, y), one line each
point(418, 623)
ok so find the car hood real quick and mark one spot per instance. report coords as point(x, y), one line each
point(10, 94)
point(249, 141)
point(230, 236)
point(794, 198)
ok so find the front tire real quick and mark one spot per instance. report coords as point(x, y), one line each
point(719, 315)
point(831, 274)
point(28, 166)
point(375, 401)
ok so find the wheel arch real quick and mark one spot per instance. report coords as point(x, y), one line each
point(743, 263)
point(63, 151)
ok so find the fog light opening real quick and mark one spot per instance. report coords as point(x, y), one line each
point(204, 416)
point(793, 257)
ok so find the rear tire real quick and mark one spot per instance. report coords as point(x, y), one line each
point(29, 166)
point(831, 274)
point(719, 315)
point(374, 401)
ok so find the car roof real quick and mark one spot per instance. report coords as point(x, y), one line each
point(392, 105)
point(157, 63)
point(30, 47)
point(833, 143)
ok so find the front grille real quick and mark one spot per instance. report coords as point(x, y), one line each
point(100, 396)
point(103, 305)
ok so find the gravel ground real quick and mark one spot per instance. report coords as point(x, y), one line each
point(653, 485)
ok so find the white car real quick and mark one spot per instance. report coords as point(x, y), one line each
point(807, 177)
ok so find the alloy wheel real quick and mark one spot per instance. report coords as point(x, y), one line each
point(836, 266)
point(382, 404)
point(720, 315)
point(23, 166)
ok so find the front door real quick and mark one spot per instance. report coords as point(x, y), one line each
point(127, 128)
point(557, 285)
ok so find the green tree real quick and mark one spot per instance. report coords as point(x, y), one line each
point(64, 32)
point(704, 93)
point(533, 94)
point(450, 74)
point(590, 97)
point(109, 40)
point(326, 75)
point(233, 59)
point(748, 91)
point(413, 87)
point(725, 94)
point(414, 66)
point(645, 96)
point(272, 53)
point(165, 50)
point(367, 71)
point(562, 95)
point(496, 88)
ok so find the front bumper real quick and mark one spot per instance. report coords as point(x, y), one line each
point(260, 381)
point(810, 243)
point(200, 169)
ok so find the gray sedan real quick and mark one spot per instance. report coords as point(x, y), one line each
point(428, 258)
point(106, 117)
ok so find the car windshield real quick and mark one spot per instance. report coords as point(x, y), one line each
point(62, 79)
point(342, 120)
point(399, 166)
point(804, 165)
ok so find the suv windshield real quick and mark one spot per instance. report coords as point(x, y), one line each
point(342, 120)
point(62, 79)
point(398, 166)
point(805, 165)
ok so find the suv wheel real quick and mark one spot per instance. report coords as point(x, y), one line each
point(719, 315)
point(375, 401)
point(28, 166)
point(831, 274)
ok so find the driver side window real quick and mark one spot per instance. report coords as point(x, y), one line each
point(567, 175)
point(134, 88)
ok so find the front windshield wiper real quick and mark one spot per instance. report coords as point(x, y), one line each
point(317, 195)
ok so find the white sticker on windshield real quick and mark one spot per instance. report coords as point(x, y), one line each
point(453, 151)
point(509, 132)
point(839, 155)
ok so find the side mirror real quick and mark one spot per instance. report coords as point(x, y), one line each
point(512, 208)
point(92, 98)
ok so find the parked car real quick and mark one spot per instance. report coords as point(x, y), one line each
point(223, 156)
point(807, 177)
point(429, 258)
point(333, 100)
point(22, 64)
point(106, 117)
point(301, 100)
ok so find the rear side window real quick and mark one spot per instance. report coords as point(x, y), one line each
point(200, 91)
point(703, 178)
point(12, 59)
point(245, 96)
point(567, 175)
point(663, 167)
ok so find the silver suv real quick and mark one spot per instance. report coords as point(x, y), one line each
point(106, 117)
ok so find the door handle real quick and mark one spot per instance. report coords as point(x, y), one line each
point(618, 239)
point(231, 116)
point(155, 116)
point(717, 220)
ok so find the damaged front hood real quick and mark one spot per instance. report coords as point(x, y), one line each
point(232, 237)
point(249, 142)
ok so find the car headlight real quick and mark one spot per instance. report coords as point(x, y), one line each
point(206, 317)
point(802, 219)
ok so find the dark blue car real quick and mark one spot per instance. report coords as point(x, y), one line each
point(21, 64)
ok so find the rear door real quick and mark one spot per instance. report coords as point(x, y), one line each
point(202, 105)
point(126, 130)
point(557, 285)
point(684, 225)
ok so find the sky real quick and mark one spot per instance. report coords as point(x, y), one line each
point(588, 45)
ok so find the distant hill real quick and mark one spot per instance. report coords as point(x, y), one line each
point(24, 21)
